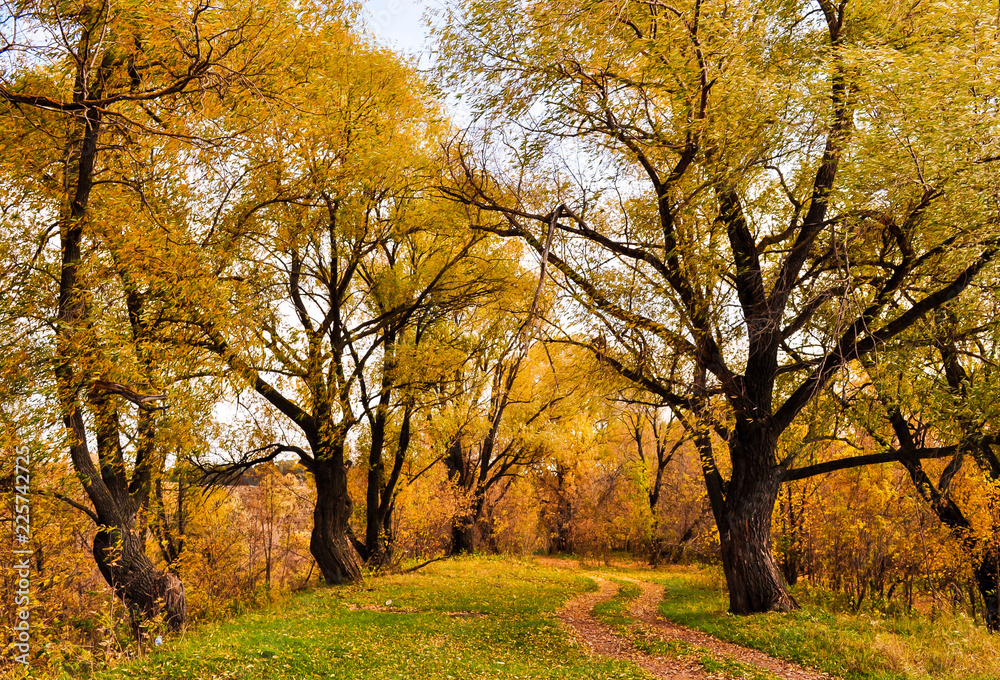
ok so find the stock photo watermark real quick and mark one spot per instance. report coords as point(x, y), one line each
point(383, 16)
point(22, 556)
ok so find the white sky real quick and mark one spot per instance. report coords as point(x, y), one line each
point(400, 24)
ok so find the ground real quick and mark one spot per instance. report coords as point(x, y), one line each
point(537, 618)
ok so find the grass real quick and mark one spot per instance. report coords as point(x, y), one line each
point(494, 618)
point(852, 646)
point(460, 619)
point(614, 612)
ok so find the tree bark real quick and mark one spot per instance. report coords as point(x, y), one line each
point(118, 550)
point(463, 541)
point(120, 546)
point(752, 574)
point(563, 515)
point(330, 543)
point(121, 557)
point(987, 572)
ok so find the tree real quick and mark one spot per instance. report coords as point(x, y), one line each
point(936, 390)
point(762, 191)
point(640, 418)
point(412, 376)
point(327, 256)
point(82, 85)
point(508, 403)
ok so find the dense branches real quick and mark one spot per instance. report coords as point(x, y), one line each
point(787, 208)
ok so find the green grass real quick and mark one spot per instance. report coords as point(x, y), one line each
point(494, 618)
point(856, 647)
point(614, 612)
point(460, 619)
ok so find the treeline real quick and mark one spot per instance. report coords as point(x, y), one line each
point(697, 282)
point(859, 540)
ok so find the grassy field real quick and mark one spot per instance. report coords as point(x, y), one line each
point(463, 618)
point(494, 618)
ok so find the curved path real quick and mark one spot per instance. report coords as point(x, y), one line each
point(604, 640)
point(645, 609)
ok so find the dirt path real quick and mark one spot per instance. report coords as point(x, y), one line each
point(645, 609)
point(601, 639)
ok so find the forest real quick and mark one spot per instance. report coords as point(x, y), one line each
point(685, 307)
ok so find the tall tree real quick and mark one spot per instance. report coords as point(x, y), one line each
point(762, 190)
point(516, 397)
point(329, 253)
point(81, 84)
point(645, 421)
point(408, 384)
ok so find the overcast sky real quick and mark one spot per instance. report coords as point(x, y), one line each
point(400, 23)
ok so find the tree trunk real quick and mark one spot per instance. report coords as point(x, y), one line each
point(375, 540)
point(755, 582)
point(987, 574)
point(563, 515)
point(121, 557)
point(791, 541)
point(463, 536)
point(463, 528)
point(463, 525)
point(330, 544)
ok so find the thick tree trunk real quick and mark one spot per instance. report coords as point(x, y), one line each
point(752, 574)
point(463, 536)
point(330, 544)
point(147, 592)
point(987, 574)
point(463, 528)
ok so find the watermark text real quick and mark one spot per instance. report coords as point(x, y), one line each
point(22, 555)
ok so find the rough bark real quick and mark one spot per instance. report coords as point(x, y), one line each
point(330, 543)
point(147, 591)
point(463, 537)
point(752, 574)
point(462, 526)
point(118, 550)
point(987, 572)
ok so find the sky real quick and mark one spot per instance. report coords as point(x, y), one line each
point(400, 24)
